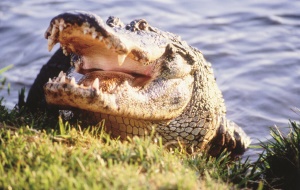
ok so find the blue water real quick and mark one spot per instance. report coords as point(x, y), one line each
point(254, 47)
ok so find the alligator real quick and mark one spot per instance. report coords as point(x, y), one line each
point(138, 79)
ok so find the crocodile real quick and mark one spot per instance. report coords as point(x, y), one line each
point(138, 79)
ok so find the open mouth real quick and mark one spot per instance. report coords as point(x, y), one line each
point(117, 69)
point(104, 59)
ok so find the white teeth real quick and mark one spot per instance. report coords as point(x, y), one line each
point(96, 83)
point(121, 59)
point(126, 84)
point(94, 35)
point(50, 44)
point(65, 52)
point(61, 73)
point(81, 86)
point(61, 27)
point(100, 38)
point(73, 81)
point(53, 32)
point(49, 80)
point(63, 79)
point(108, 45)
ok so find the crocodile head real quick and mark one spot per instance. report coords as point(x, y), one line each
point(137, 78)
point(134, 71)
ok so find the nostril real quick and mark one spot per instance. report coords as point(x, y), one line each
point(136, 25)
point(128, 27)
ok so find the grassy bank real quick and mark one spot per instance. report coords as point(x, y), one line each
point(42, 152)
point(66, 157)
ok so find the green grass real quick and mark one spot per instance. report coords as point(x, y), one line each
point(3, 79)
point(91, 160)
point(281, 158)
point(40, 151)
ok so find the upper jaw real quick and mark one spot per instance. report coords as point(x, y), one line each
point(131, 67)
point(85, 33)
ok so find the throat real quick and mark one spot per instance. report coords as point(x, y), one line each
point(117, 126)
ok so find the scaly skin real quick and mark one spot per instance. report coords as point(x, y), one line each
point(137, 78)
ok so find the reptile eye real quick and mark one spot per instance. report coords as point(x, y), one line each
point(143, 25)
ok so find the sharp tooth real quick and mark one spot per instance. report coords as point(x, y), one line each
point(50, 44)
point(61, 27)
point(63, 79)
point(96, 83)
point(61, 73)
point(98, 91)
point(94, 35)
point(73, 81)
point(53, 32)
point(81, 86)
point(121, 59)
point(108, 45)
point(100, 38)
point(126, 84)
point(65, 52)
point(50, 80)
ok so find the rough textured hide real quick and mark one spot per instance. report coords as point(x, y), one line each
point(138, 78)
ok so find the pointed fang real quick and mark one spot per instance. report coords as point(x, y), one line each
point(121, 59)
point(50, 44)
point(73, 81)
point(96, 83)
point(94, 35)
point(63, 79)
point(65, 52)
point(61, 27)
point(61, 73)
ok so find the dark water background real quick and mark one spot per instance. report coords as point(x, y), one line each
point(254, 47)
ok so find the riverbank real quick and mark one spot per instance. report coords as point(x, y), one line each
point(43, 151)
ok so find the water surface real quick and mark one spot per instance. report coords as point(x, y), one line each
point(254, 47)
